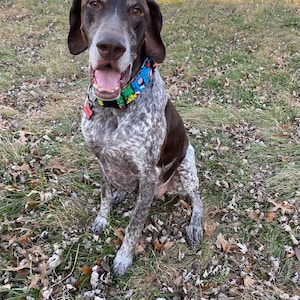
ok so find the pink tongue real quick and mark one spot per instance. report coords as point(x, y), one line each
point(107, 78)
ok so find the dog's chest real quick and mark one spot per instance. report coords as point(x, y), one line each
point(126, 142)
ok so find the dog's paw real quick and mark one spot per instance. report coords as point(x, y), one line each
point(121, 264)
point(99, 225)
point(194, 234)
point(118, 196)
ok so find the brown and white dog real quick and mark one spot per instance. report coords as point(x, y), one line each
point(134, 130)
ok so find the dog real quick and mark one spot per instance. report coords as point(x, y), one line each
point(132, 127)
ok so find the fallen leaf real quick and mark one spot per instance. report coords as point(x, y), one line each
point(43, 273)
point(159, 246)
point(185, 205)
point(5, 287)
point(23, 273)
point(223, 244)
point(34, 281)
point(87, 273)
point(271, 216)
point(178, 281)
point(252, 215)
point(25, 266)
point(140, 250)
point(34, 192)
point(105, 266)
point(23, 136)
point(55, 164)
point(25, 167)
point(248, 281)
point(86, 270)
point(119, 233)
point(25, 238)
point(209, 230)
point(168, 245)
point(281, 205)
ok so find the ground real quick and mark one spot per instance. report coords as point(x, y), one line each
point(232, 71)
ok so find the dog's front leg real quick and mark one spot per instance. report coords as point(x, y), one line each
point(101, 221)
point(124, 257)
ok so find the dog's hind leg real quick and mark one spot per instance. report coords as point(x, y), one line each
point(101, 221)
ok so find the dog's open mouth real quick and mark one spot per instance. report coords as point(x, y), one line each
point(108, 82)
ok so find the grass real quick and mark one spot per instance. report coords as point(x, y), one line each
point(232, 70)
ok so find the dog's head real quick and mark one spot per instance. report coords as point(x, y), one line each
point(119, 35)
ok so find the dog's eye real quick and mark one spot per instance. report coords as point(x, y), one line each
point(136, 11)
point(95, 5)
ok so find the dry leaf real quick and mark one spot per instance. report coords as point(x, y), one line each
point(140, 250)
point(25, 167)
point(271, 216)
point(159, 246)
point(5, 287)
point(252, 215)
point(185, 204)
point(178, 281)
point(23, 273)
point(25, 238)
point(22, 136)
point(222, 244)
point(209, 230)
point(168, 245)
point(248, 281)
point(86, 270)
point(87, 273)
point(119, 233)
point(43, 273)
point(284, 207)
point(25, 266)
point(41, 195)
point(34, 281)
point(105, 266)
point(55, 164)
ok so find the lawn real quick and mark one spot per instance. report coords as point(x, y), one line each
point(233, 72)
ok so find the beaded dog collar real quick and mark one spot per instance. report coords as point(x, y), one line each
point(131, 91)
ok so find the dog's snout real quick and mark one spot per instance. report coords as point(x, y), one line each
point(111, 47)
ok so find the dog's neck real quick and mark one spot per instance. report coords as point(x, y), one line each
point(128, 94)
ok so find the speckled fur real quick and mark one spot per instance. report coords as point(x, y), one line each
point(128, 145)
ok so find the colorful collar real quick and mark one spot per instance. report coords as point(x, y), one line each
point(132, 90)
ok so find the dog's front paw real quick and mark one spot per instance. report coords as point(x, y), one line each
point(121, 264)
point(194, 234)
point(99, 225)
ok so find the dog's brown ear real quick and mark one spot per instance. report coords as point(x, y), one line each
point(155, 47)
point(76, 41)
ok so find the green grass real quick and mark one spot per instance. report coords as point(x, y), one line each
point(232, 71)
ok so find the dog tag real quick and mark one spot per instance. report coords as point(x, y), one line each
point(88, 111)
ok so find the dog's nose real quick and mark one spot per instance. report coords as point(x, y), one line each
point(111, 47)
